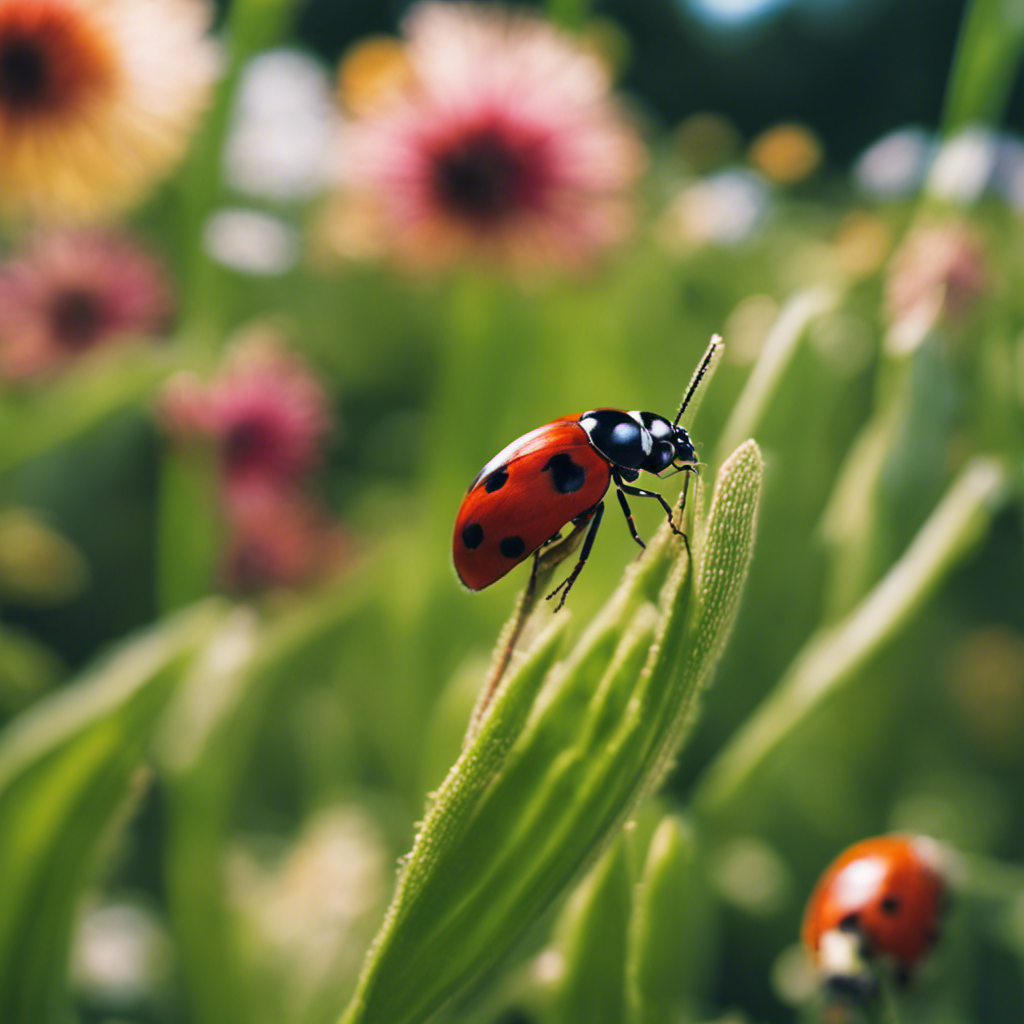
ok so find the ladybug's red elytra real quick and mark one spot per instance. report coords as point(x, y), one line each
point(559, 474)
point(881, 899)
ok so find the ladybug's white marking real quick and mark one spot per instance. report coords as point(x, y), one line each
point(646, 441)
point(840, 954)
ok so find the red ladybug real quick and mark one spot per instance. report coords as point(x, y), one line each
point(559, 474)
point(883, 898)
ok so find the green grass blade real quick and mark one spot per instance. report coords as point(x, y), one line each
point(66, 768)
point(832, 656)
point(987, 56)
point(509, 832)
point(593, 943)
point(668, 935)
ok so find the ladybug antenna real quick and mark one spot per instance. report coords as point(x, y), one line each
point(714, 348)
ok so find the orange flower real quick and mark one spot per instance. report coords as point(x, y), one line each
point(97, 99)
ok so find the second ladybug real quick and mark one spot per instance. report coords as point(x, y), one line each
point(881, 900)
point(559, 474)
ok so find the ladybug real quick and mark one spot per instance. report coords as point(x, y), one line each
point(559, 474)
point(883, 899)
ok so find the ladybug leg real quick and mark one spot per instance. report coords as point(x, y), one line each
point(566, 585)
point(628, 513)
point(639, 492)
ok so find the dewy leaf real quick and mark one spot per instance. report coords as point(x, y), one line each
point(65, 770)
point(562, 757)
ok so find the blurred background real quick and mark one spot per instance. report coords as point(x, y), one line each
point(836, 186)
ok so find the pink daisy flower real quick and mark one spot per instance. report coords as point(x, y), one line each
point(266, 412)
point(71, 293)
point(279, 538)
point(504, 143)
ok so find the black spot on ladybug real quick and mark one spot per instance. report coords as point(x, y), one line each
point(473, 535)
point(495, 481)
point(566, 476)
point(512, 547)
point(849, 923)
point(890, 905)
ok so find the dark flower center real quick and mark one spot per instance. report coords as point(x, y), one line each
point(245, 443)
point(24, 74)
point(77, 318)
point(52, 60)
point(483, 178)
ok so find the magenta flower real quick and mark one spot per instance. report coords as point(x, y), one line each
point(266, 416)
point(70, 293)
point(266, 412)
point(505, 144)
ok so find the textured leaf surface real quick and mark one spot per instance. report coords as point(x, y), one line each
point(561, 759)
point(594, 928)
point(668, 931)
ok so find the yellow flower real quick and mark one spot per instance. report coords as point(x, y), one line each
point(97, 99)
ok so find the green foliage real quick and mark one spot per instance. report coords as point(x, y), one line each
point(592, 939)
point(250, 769)
point(66, 771)
point(670, 929)
point(561, 759)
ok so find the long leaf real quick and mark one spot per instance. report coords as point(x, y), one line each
point(509, 832)
point(66, 767)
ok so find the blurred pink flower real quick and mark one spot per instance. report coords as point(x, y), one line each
point(266, 411)
point(69, 293)
point(266, 416)
point(504, 144)
point(279, 538)
point(939, 272)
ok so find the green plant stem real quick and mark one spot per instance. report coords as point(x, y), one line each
point(850, 522)
point(251, 26)
point(831, 657)
point(570, 14)
point(988, 53)
point(563, 756)
point(188, 528)
point(205, 742)
point(887, 1008)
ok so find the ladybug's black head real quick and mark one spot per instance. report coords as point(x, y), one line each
point(672, 446)
point(638, 440)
